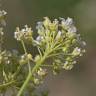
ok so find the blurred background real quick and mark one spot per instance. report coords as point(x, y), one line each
point(81, 81)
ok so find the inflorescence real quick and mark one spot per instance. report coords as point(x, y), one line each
point(58, 44)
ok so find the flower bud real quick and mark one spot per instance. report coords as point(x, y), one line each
point(58, 36)
point(46, 22)
point(41, 72)
point(29, 57)
point(37, 58)
point(36, 81)
point(67, 66)
point(76, 51)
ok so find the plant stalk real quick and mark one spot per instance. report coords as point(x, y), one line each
point(30, 76)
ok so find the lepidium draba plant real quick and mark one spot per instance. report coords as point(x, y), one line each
point(58, 46)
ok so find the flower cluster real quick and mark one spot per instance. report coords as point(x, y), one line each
point(8, 65)
point(58, 46)
point(24, 58)
point(23, 34)
point(68, 25)
point(61, 37)
point(39, 76)
point(4, 57)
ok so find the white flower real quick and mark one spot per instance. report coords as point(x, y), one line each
point(23, 30)
point(72, 29)
point(84, 43)
point(69, 21)
point(76, 51)
point(46, 22)
point(41, 72)
point(55, 21)
point(74, 62)
point(23, 56)
point(58, 35)
point(39, 25)
point(39, 38)
point(17, 35)
point(68, 24)
point(36, 81)
point(1, 32)
point(67, 66)
point(71, 34)
point(25, 33)
point(8, 62)
point(2, 13)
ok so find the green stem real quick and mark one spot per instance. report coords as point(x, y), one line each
point(6, 84)
point(24, 47)
point(17, 71)
point(47, 65)
point(30, 75)
point(26, 53)
point(39, 63)
point(24, 85)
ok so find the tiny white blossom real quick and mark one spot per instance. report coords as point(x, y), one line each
point(69, 21)
point(67, 66)
point(76, 51)
point(72, 29)
point(74, 62)
point(38, 38)
point(23, 56)
point(39, 25)
point(2, 33)
point(23, 30)
point(68, 24)
point(84, 43)
point(2, 13)
point(58, 34)
point(25, 33)
point(41, 72)
point(17, 35)
point(8, 61)
point(55, 21)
